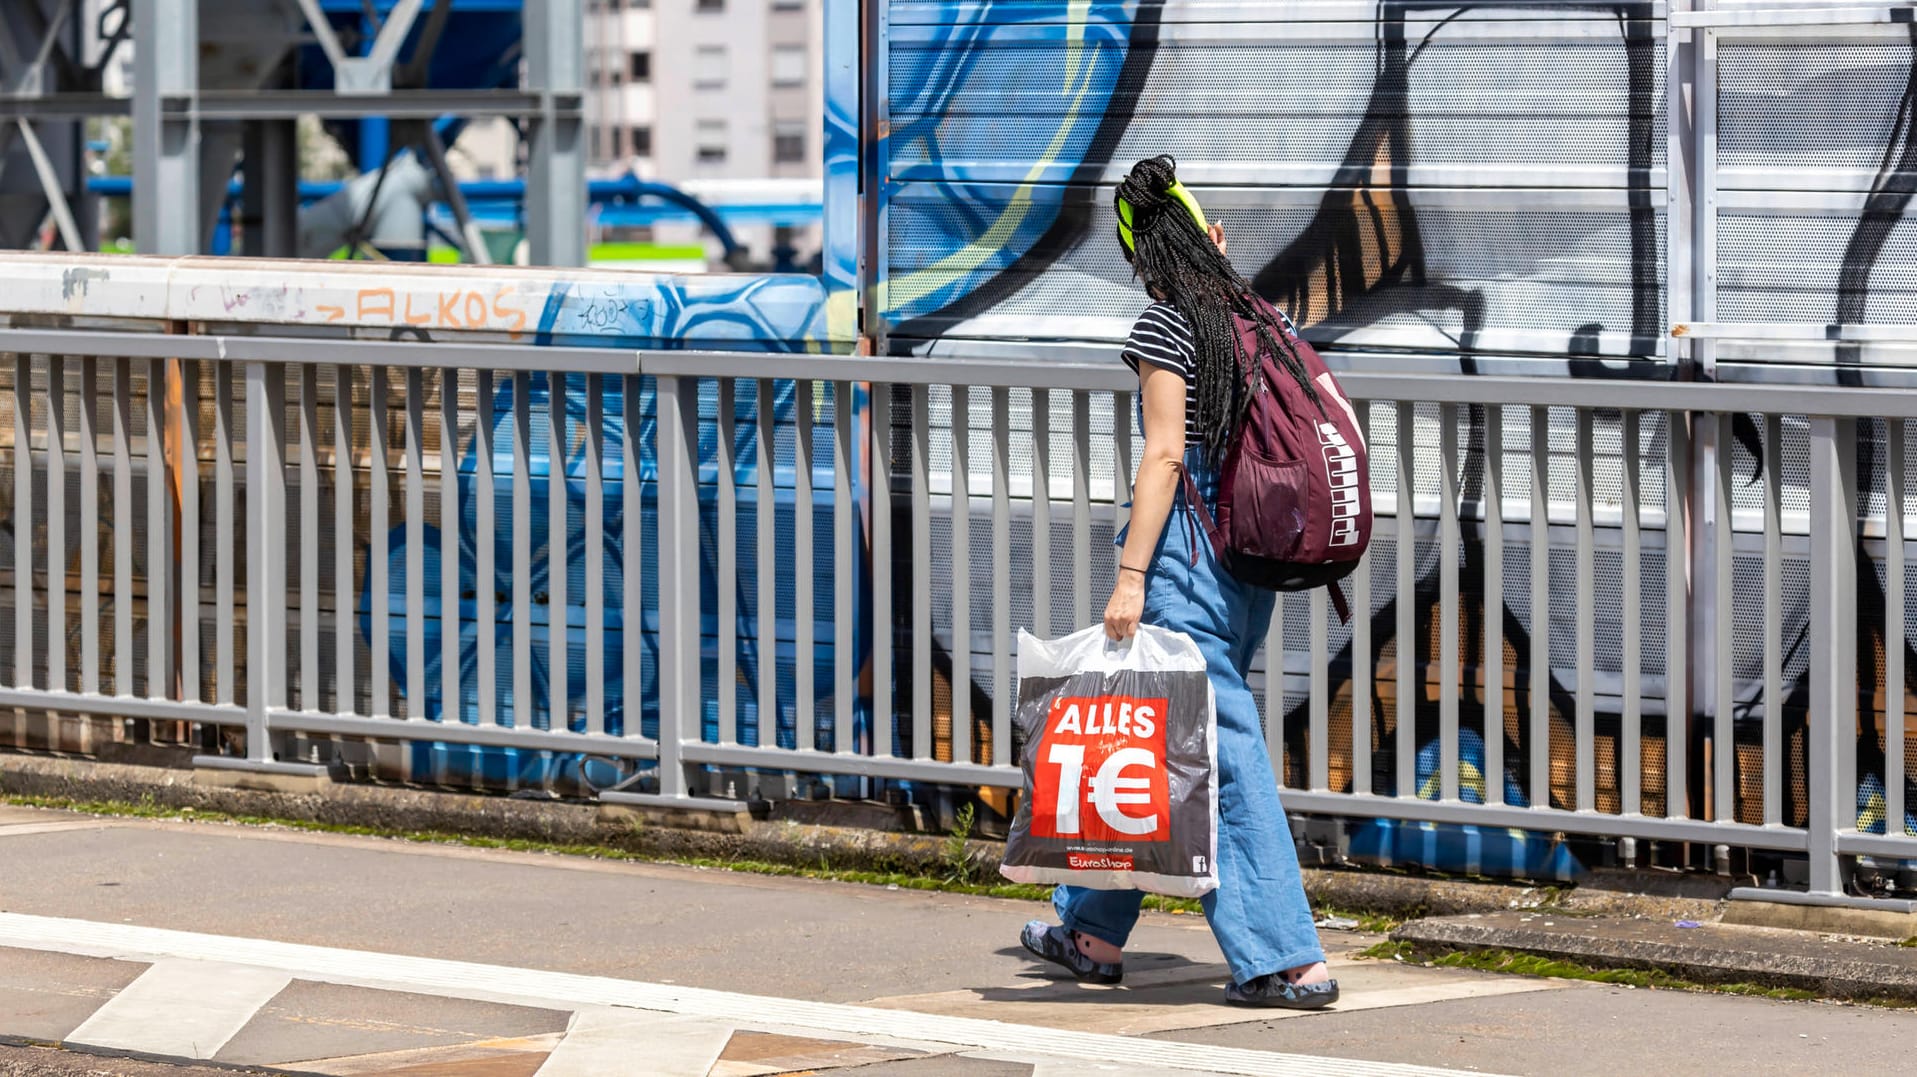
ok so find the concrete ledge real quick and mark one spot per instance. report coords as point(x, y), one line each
point(1708, 953)
point(224, 772)
point(1885, 923)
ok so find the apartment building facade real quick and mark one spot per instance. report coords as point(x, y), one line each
point(700, 92)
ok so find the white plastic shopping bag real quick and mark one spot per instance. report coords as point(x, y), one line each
point(1121, 764)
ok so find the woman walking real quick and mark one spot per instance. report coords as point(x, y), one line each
point(1185, 350)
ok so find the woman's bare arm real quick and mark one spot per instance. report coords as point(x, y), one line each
point(1159, 472)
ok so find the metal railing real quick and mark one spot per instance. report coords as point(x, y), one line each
point(787, 564)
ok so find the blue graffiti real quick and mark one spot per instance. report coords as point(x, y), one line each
point(514, 767)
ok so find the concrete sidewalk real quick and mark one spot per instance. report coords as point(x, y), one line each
point(322, 954)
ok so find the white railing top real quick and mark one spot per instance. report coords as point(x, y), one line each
point(578, 304)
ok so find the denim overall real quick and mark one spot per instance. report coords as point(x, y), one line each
point(1258, 912)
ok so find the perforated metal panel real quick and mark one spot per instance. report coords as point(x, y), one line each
point(1286, 94)
point(1817, 105)
point(1524, 264)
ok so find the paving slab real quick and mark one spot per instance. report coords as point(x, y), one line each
point(315, 1022)
point(1592, 1030)
point(44, 996)
point(1830, 966)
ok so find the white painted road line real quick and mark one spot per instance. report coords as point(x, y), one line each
point(182, 1008)
point(603, 1040)
point(496, 983)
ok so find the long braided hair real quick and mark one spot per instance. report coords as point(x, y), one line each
point(1179, 264)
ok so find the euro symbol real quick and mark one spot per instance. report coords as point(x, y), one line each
point(1111, 788)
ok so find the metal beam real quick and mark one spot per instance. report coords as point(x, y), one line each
point(51, 187)
point(166, 144)
point(291, 104)
point(556, 188)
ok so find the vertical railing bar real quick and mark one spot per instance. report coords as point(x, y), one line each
point(225, 552)
point(23, 513)
point(632, 539)
point(961, 574)
point(1831, 735)
point(1405, 528)
point(1724, 712)
point(767, 549)
point(844, 440)
point(90, 525)
point(1001, 577)
point(309, 538)
point(558, 534)
point(1894, 612)
point(598, 701)
point(1082, 508)
point(57, 524)
point(1274, 683)
point(1586, 620)
point(159, 542)
point(1319, 751)
point(523, 717)
point(1677, 705)
point(1361, 668)
point(726, 471)
point(1538, 737)
point(266, 577)
point(379, 597)
point(883, 674)
point(1042, 513)
point(805, 701)
point(1493, 604)
point(345, 694)
point(415, 450)
point(1772, 769)
point(123, 536)
point(485, 549)
point(594, 467)
point(452, 704)
point(677, 451)
point(189, 480)
point(1124, 470)
point(1449, 545)
point(1630, 763)
point(921, 579)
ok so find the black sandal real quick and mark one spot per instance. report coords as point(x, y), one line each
point(1055, 944)
point(1276, 992)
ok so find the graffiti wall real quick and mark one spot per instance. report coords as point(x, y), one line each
point(1443, 186)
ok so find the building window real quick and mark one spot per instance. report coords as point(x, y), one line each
point(711, 142)
point(788, 5)
point(788, 65)
point(640, 66)
point(641, 141)
point(709, 68)
point(598, 144)
point(709, 5)
point(788, 142)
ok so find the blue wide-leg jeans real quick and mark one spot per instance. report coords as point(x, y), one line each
point(1258, 912)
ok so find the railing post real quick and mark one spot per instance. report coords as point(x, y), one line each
point(266, 578)
point(1832, 722)
point(680, 684)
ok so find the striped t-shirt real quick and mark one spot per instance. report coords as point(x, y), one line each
point(1163, 338)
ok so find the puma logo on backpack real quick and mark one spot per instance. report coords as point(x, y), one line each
point(1294, 491)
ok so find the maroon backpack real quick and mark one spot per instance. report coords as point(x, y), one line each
point(1294, 492)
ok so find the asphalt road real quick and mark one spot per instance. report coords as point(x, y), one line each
point(319, 954)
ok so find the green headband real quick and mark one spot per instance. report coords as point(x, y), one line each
point(1178, 191)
